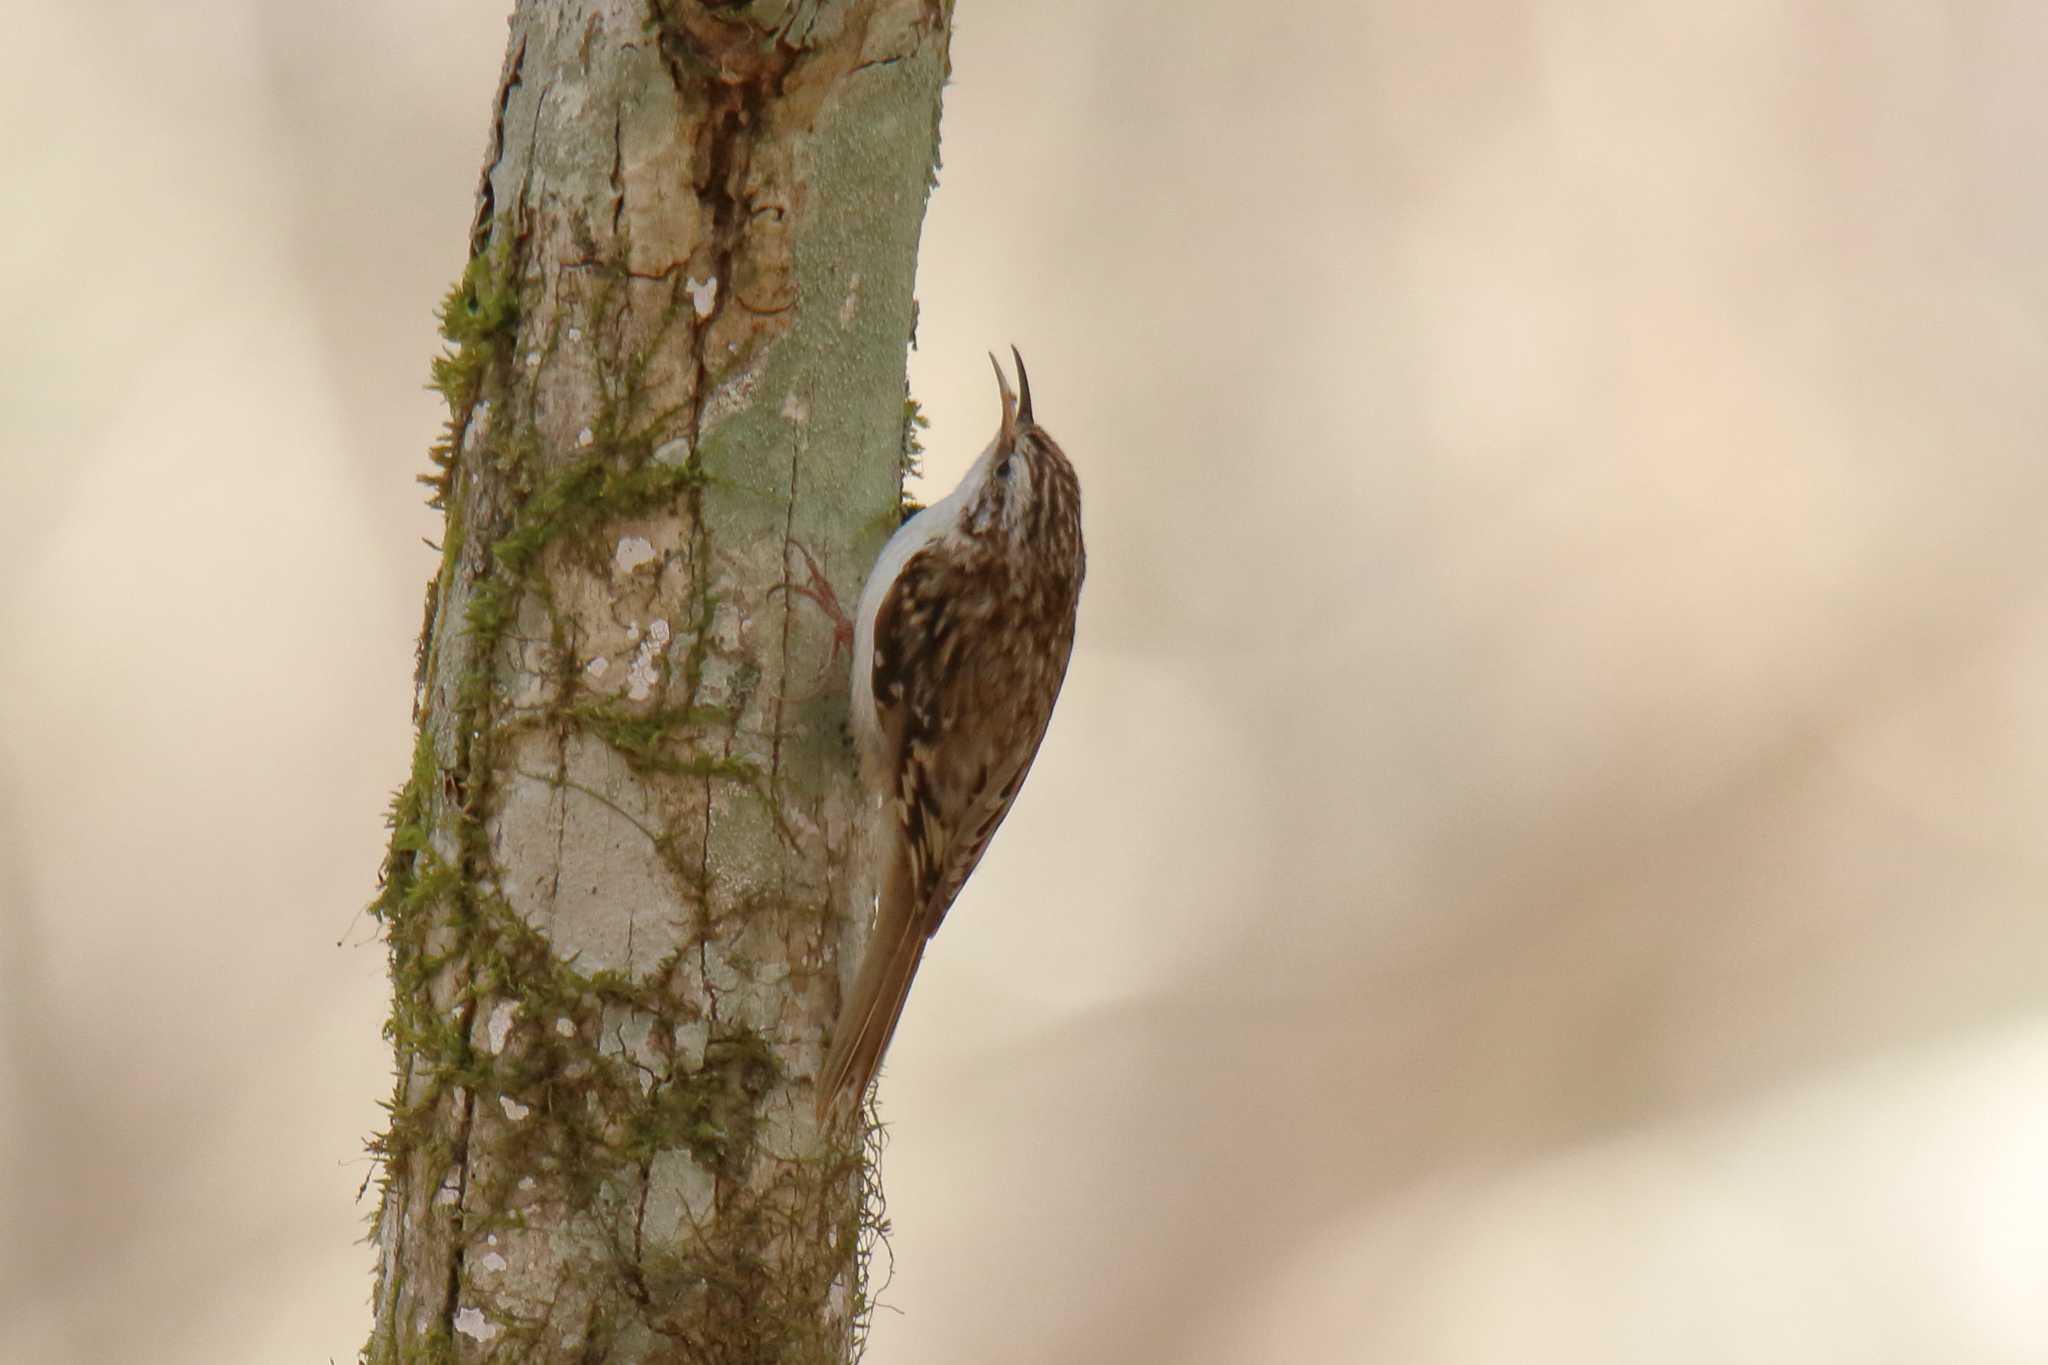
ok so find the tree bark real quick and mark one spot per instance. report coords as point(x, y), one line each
point(621, 875)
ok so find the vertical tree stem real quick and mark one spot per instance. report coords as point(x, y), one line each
point(619, 878)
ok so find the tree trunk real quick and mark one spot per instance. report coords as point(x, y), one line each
point(621, 874)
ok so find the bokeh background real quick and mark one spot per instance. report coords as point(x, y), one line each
point(1538, 859)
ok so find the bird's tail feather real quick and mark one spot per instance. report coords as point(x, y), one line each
point(868, 1019)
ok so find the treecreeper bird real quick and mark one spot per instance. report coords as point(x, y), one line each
point(960, 644)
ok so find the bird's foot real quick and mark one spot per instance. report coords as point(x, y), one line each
point(818, 589)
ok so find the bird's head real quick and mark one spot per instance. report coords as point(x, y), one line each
point(1022, 481)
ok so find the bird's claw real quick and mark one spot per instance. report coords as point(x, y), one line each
point(818, 589)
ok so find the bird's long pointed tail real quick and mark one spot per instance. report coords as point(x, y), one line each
point(867, 1020)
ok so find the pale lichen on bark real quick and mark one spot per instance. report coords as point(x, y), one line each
point(620, 877)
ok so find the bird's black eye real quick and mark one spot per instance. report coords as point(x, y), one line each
point(1003, 469)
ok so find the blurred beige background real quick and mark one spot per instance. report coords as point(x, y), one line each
point(1539, 856)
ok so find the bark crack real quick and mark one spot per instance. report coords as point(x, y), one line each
point(532, 146)
point(618, 169)
point(459, 1166)
point(480, 224)
point(561, 824)
point(788, 623)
